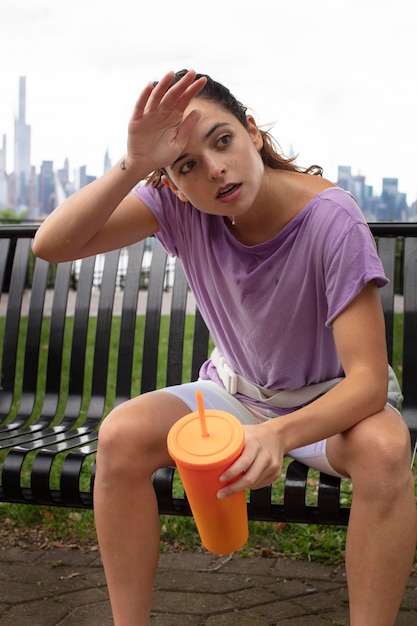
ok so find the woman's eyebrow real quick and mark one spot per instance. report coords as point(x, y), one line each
point(214, 128)
point(205, 137)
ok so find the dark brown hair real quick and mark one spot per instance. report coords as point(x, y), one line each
point(270, 152)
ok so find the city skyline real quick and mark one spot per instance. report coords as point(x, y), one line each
point(24, 168)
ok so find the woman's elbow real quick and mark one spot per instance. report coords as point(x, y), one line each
point(40, 250)
point(378, 395)
point(45, 247)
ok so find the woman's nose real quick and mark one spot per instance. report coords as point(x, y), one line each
point(215, 169)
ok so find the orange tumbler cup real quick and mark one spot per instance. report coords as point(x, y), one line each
point(203, 444)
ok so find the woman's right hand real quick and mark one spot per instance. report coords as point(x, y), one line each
point(157, 132)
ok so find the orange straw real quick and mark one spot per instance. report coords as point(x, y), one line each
point(202, 413)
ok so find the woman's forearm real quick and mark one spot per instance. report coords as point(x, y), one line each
point(67, 231)
point(356, 397)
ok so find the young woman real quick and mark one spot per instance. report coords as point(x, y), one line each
point(285, 273)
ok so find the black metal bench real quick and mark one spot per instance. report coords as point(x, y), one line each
point(48, 428)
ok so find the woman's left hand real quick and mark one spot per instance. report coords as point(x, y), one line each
point(260, 463)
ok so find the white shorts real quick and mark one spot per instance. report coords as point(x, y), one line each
point(215, 397)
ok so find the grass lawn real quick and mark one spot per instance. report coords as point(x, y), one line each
point(34, 525)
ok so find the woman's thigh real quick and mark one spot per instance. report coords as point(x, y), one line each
point(214, 398)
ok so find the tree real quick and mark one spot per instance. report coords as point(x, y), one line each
point(10, 216)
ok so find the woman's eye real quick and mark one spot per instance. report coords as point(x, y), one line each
point(186, 167)
point(224, 140)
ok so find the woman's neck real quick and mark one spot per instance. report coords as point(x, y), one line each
point(282, 196)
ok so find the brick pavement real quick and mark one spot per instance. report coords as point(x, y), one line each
point(57, 587)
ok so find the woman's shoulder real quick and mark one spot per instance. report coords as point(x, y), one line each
point(147, 192)
point(162, 201)
point(296, 190)
point(333, 215)
point(308, 191)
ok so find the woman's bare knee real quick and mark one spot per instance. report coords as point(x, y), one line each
point(132, 438)
point(377, 448)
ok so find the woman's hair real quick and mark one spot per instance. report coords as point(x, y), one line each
point(270, 152)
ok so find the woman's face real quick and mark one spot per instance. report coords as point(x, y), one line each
point(220, 170)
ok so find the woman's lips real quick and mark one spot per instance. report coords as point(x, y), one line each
point(228, 193)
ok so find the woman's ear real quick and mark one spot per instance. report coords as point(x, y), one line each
point(168, 182)
point(254, 132)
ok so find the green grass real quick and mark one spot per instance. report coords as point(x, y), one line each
point(55, 526)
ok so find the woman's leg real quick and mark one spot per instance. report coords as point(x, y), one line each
point(382, 528)
point(132, 445)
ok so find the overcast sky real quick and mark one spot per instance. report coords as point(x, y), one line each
point(335, 78)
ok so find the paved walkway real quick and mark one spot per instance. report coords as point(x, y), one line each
point(57, 587)
point(141, 310)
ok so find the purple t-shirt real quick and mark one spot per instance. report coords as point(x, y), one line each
point(269, 307)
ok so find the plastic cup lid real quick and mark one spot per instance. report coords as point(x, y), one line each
point(225, 439)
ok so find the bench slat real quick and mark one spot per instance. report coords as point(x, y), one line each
point(21, 250)
point(128, 322)
point(387, 254)
point(153, 319)
point(409, 385)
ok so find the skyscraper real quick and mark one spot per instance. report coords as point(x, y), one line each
point(3, 175)
point(47, 188)
point(107, 161)
point(22, 145)
point(3, 154)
